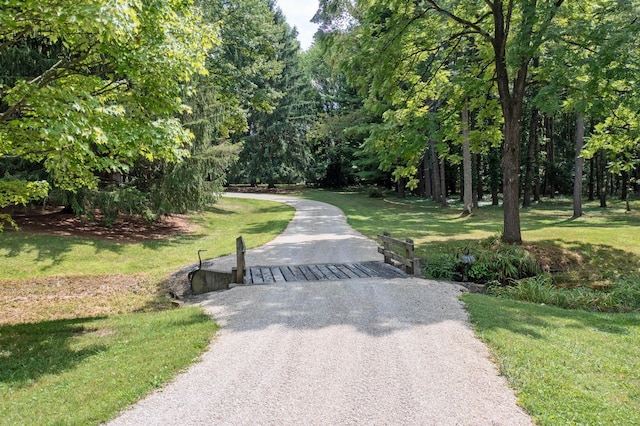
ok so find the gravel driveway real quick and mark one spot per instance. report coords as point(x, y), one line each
point(361, 351)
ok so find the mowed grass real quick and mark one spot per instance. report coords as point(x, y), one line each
point(568, 367)
point(44, 277)
point(607, 239)
point(85, 327)
point(85, 370)
point(30, 255)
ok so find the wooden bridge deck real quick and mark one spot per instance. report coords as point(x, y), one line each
point(321, 272)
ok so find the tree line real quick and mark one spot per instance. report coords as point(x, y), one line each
point(143, 107)
point(151, 107)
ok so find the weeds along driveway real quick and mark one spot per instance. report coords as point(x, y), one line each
point(360, 351)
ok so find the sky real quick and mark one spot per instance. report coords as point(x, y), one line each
point(299, 13)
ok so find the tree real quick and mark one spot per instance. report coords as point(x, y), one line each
point(589, 71)
point(276, 149)
point(239, 70)
point(342, 125)
point(404, 55)
point(577, 185)
point(97, 85)
point(466, 162)
point(507, 36)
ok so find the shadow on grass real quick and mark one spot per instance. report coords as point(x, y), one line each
point(264, 227)
point(373, 215)
point(49, 251)
point(52, 248)
point(580, 264)
point(30, 351)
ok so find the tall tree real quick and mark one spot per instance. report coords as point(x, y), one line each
point(277, 149)
point(507, 35)
point(104, 92)
point(239, 69)
point(577, 180)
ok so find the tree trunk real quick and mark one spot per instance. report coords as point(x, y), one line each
point(466, 162)
point(402, 186)
point(602, 183)
point(577, 179)
point(528, 180)
point(511, 101)
point(511, 179)
point(477, 194)
point(624, 187)
point(592, 164)
point(550, 175)
point(443, 184)
point(437, 188)
point(427, 177)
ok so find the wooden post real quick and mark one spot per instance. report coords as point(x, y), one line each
point(240, 261)
point(409, 253)
point(387, 248)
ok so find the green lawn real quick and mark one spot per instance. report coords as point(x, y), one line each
point(84, 370)
point(433, 227)
point(608, 240)
point(568, 367)
point(85, 328)
point(23, 255)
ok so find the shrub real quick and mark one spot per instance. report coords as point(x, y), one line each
point(622, 297)
point(375, 192)
point(500, 263)
point(441, 267)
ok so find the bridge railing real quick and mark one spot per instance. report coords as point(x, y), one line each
point(399, 253)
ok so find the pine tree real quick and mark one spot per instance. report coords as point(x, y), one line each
point(276, 149)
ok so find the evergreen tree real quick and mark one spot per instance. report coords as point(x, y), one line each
point(276, 149)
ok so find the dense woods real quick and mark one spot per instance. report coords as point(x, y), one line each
point(150, 108)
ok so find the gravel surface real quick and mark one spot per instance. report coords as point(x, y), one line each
point(365, 351)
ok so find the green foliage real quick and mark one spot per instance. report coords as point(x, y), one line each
point(417, 65)
point(621, 297)
point(276, 149)
point(494, 262)
point(441, 267)
point(97, 99)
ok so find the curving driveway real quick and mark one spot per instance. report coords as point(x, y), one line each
point(362, 351)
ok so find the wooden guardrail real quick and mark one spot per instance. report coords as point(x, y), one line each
point(405, 259)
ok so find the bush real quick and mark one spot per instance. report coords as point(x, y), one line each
point(375, 192)
point(500, 263)
point(622, 297)
point(495, 263)
point(511, 271)
point(441, 267)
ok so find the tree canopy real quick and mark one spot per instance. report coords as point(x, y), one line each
point(149, 107)
point(90, 87)
point(419, 65)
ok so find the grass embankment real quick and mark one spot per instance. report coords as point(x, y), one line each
point(567, 366)
point(44, 277)
point(84, 324)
